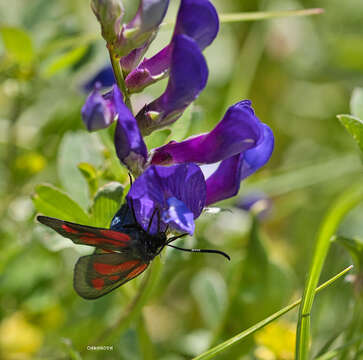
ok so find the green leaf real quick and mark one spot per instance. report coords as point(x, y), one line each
point(18, 44)
point(106, 203)
point(90, 174)
point(53, 202)
point(112, 166)
point(354, 126)
point(356, 103)
point(65, 60)
point(180, 128)
point(75, 148)
point(354, 247)
point(157, 138)
point(209, 290)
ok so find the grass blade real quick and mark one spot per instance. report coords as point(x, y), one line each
point(334, 353)
point(348, 200)
point(209, 354)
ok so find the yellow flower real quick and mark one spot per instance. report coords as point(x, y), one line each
point(30, 163)
point(276, 341)
point(19, 339)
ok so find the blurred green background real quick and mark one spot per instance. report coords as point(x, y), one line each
point(299, 73)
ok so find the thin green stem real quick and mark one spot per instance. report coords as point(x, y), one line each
point(258, 15)
point(211, 353)
point(115, 62)
point(347, 201)
point(265, 15)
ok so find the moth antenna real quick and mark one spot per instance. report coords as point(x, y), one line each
point(201, 251)
point(175, 237)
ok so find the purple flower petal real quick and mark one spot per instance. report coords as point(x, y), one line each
point(105, 77)
point(130, 146)
point(149, 71)
point(177, 191)
point(188, 77)
point(225, 181)
point(142, 27)
point(197, 19)
point(178, 216)
point(130, 61)
point(98, 112)
point(238, 131)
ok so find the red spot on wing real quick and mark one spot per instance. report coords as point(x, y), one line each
point(116, 235)
point(69, 229)
point(98, 283)
point(136, 271)
point(107, 269)
point(100, 241)
point(114, 278)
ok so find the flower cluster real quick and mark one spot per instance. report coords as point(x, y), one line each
point(169, 178)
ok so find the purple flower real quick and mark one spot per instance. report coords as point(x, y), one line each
point(257, 202)
point(225, 181)
point(177, 192)
point(240, 140)
point(130, 146)
point(188, 77)
point(197, 19)
point(142, 27)
point(98, 112)
point(237, 132)
point(104, 78)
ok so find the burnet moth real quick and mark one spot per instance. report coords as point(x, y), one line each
point(122, 252)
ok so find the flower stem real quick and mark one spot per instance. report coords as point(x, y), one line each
point(115, 61)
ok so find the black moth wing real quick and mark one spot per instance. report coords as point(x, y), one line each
point(88, 235)
point(98, 274)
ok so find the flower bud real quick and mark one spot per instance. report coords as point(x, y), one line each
point(98, 111)
point(109, 14)
point(142, 27)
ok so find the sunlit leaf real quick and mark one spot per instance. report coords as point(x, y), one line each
point(356, 103)
point(75, 148)
point(180, 128)
point(90, 174)
point(18, 44)
point(354, 126)
point(53, 202)
point(65, 60)
point(157, 138)
point(106, 203)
